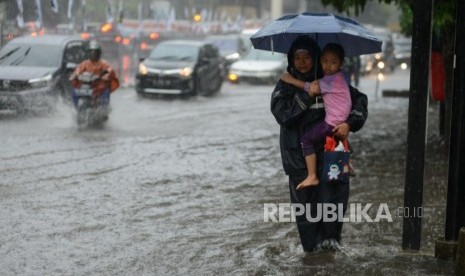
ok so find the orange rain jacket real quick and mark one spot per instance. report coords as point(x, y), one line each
point(96, 68)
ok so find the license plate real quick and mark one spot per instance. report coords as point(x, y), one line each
point(162, 83)
point(84, 92)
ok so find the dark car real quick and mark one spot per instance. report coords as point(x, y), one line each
point(148, 40)
point(383, 61)
point(402, 50)
point(181, 67)
point(35, 69)
point(231, 46)
point(110, 38)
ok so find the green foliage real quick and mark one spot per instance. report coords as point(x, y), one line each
point(356, 5)
point(346, 5)
point(443, 15)
point(444, 11)
point(406, 19)
point(374, 12)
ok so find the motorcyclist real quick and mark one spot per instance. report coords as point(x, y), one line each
point(97, 66)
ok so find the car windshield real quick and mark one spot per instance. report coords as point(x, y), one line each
point(263, 55)
point(30, 55)
point(175, 52)
point(403, 46)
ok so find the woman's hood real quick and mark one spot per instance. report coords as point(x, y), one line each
point(305, 42)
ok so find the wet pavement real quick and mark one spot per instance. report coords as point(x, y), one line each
point(176, 186)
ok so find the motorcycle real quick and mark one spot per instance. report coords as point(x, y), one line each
point(92, 110)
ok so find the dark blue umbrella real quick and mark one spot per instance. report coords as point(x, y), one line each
point(324, 28)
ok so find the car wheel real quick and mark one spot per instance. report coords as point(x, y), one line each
point(140, 94)
point(83, 113)
point(392, 68)
point(63, 92)
point(217, 86)
point(196, 87)
point(185, 96)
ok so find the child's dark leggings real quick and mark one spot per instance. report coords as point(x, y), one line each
point(317, 133)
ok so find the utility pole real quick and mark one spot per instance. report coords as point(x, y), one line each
point(4, 8)
point(276, 8)
point(455, 214)
point(417, 118)
point(2, 19)
point(302, 6)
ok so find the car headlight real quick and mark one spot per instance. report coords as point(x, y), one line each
point(232, 56)
point(40, 82)
point(142, 69)
point(233, 77)
point(186, 72)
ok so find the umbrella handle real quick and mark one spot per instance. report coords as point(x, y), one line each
point(316, 56)
point(272, 46)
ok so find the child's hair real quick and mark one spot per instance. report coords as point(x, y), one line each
point(336, 49)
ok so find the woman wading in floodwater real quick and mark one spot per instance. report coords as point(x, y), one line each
point(296, 110)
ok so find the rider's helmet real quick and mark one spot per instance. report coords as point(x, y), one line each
point(95, 51)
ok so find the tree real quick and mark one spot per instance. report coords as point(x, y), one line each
point(443, 23)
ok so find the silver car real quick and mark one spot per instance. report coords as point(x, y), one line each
point(258, 66)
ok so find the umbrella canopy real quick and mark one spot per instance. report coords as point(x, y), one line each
point(324, 28)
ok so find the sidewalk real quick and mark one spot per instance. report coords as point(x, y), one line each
point(380, 159)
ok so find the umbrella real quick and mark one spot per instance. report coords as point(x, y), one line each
point(324, 28)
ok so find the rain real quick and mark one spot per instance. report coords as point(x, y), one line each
point(177, 185)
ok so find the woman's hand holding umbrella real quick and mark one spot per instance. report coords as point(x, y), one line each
point(314, 88)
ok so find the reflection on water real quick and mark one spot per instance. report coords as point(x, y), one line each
point(178, 188)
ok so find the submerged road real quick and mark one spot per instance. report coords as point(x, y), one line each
point(177, 186)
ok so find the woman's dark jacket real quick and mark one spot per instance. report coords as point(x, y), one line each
point(290, 106)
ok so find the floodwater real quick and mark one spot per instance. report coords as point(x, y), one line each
point(173, 186)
